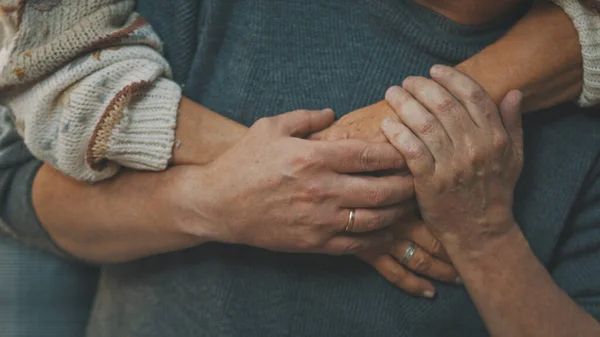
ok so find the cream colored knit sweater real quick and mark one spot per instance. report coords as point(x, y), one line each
point(90, 90)
point(88, 86)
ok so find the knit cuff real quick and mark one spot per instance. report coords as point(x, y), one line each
point(587, 23)
point(143, 137)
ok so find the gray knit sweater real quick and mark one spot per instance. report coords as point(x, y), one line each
point(249, 59)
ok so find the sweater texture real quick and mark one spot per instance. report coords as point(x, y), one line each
point(250, 59)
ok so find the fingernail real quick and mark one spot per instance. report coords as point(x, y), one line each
point(459, 280)
point(392, 92)
point(328, 110)
point(428, 294)
point(436, 69)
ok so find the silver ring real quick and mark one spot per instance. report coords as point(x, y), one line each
point(409, 253)
point(351, 218)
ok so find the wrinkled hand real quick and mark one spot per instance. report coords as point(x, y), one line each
point(364, 124)
point(464, 153)
point(277, 191)
point(429, 260)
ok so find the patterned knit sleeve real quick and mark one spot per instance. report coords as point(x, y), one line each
point(87, 85)
point(586, 18)
point(576, 262)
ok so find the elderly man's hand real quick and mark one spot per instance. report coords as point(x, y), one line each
point(414, 251)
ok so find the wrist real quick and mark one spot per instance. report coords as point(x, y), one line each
point(482, 69)
point(202, 135)
point(491, 250)
point(186, 208)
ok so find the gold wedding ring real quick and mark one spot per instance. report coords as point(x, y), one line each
point(351, 218)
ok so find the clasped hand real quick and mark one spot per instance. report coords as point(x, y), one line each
point(277, 190)
point(454, 139)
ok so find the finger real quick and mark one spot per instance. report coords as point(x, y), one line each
point(399, 276)
point(470, 94)
point(440, 103)
point(301, 123)
point(352, 245)
point(510, 110)
point(371, 219)
point(418, 158)
point(357, 156)
point(423, 263)
point(359, 191)
point(422, 123)
point(417, 232)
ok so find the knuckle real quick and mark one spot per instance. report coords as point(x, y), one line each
point(476, 156)
point(306, 158)
point(478, 96)
point(429, 126)
point(499, 143)
point(475, 153)
point(436, 247)
point(414, 150)
point(376, 221)
point(446, 106)
point(397, 276)
point(315, 193)
point(264, 124)
point(419, 84)
point(367, 157)
point(376, 196)
point(422, 263)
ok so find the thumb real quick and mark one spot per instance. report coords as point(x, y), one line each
point(302, 123)
point(510, 110)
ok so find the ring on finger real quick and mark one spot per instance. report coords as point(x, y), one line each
point(409, 253)
point(351, 219)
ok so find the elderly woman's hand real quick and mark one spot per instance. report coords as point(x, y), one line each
point(464, 153)
point(363, 123)
point(415, 256)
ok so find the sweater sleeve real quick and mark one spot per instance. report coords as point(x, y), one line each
point(576, 262)
point(88, 86)
point(18, 168)
point(586, 18)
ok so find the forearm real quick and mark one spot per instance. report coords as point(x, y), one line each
point(131, 215)
point(514, 293)
point(202, 135)
point(540, 55)
point(121, 219)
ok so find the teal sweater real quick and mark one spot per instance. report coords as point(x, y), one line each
point(248, 59)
